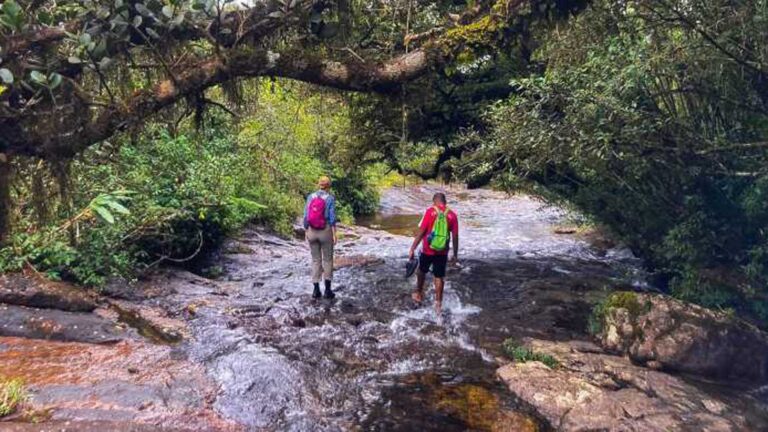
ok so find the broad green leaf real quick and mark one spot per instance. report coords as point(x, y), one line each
point(54, 79)
point(6, 76)
point(38, 77)
point(142, 9)
point(116, 206)
point(104, 213)
point(105, 62)
point(11, 8)
point(101, 48)
point(178, 19)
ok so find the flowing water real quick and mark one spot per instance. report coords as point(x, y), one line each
point(371, 361)
point(251, 350)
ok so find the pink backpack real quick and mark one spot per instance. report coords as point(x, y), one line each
point(316, 213)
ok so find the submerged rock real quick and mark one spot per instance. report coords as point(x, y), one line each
point(672, 335)
point(343, 261)
point(594, 391)
point(22, 290)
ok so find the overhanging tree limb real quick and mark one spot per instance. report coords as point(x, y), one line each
point(55, 133)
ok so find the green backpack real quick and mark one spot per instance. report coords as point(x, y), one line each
point(438, 238)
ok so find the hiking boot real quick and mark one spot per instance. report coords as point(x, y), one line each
point(328, 293)
point(316, 292)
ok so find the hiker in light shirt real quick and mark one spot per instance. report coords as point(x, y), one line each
point(320, 226)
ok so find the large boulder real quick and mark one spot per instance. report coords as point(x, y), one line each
point(34, 291)
point(589, 391)
point(669, 334)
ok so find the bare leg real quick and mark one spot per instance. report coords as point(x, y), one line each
point(439, 284)
point(418, 295)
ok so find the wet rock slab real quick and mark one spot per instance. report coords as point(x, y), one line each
point(595, 391)
point(89, 426)
point(131, 385)
point(52, 324)
point(33, 291)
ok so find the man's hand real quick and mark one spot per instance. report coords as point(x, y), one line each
point(410, 254)
point(454, 262)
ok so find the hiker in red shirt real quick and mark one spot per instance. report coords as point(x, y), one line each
point(437, 260)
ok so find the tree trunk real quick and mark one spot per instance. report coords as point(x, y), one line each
point(5, 198)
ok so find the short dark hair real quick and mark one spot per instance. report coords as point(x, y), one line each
point(440, 197)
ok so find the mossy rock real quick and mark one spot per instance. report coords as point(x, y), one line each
point(628, 300)
point(522, 354)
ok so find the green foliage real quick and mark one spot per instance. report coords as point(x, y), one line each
point(521, 354)
point(619, 300)
point(105, 205)
point(172, 197)
point(12, 394)
point(654, 131)
point(46, 251)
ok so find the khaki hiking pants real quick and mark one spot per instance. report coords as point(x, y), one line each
point(321, 246)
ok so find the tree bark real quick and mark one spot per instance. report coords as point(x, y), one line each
point(5, 198)
point(381, 77)
point(55, 132)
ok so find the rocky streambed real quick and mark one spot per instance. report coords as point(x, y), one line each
point(249, 349)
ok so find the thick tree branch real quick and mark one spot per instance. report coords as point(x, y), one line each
point(62, 132)
point(381, 77)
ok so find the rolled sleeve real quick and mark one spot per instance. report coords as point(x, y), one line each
point(332, 210)
point(306, 211)
point(426, 220)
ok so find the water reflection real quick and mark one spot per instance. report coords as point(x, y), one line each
point(398, 224)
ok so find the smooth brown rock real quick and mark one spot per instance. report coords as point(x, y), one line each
point(671, 335)
point(340, 262)
point(592, 391)
point(57, 325)
point(32, 291)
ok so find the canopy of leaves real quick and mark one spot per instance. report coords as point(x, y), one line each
point(76, 72)
point(652, 116)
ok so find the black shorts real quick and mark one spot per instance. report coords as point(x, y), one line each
point(437, 262)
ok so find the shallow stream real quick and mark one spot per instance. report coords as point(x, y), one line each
point(369, 360)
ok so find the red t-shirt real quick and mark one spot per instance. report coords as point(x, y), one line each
point(430, 216)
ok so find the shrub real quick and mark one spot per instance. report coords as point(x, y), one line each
point(12, 395)
point(521, 354)
point(618, 300)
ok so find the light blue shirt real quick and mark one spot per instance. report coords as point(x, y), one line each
point(330, 207)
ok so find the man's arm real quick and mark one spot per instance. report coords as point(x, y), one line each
point(455, 236)
point(424, 226)
point(416, 240)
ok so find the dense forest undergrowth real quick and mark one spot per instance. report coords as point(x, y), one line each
point(169, 195)
point(120, 153)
